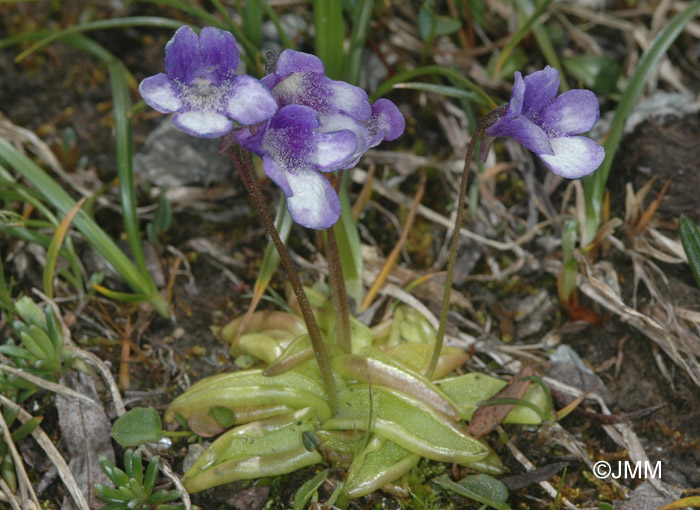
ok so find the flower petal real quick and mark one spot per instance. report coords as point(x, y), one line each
point(159, 94)
point(341, 122)
point(278, 176)
point(541, 88)
point(204, 124)
point(249, 101)
point(515, 105)
point(324, 95)
point(296, 116)
point(524, 131)
point(291, 61)
point(386, 122)
point(251, 137)
point(574, 156)
point(332, 150)
point(289, 139)
point(219, 52)
point(313, 202)
point(182, 58)
point(572, 113)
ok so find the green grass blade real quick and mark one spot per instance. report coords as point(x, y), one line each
point(522, 31)
point(59, 199)
point(286, 41)
point(348, 239)
point(690, 237)
point(188, 8)
point(253, 21)
point(526, 9)
point(55, 247)
point(125, 161)
point(330, 34)
point(482, 97)
point(252, 50)
point(594, 185)
point(306, 491)
point(444, 90)
point(270, 262)
point(358, 36)
point(136, 21)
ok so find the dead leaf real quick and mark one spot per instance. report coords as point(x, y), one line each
point(486, 418)
point(532, 477)
point(85, 435)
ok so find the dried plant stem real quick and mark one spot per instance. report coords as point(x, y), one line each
point(440, 338)
point(241, 160)
point(339, 296)
point(54, 455)
point(25, 485)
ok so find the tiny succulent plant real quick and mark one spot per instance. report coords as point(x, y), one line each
point(133, 490)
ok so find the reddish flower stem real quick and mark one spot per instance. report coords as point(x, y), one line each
point(242, 163)
point(440, 338)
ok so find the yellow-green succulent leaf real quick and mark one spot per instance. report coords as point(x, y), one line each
point(253, 465)
point(417, 356)
point(467, 390)
point(378, 368)
point(406, 421)
point(360, 335)
point(250, 388)
point(381, 462)
point(261, 345)
point(258, 439)
point(265, 320)
point(415, 328)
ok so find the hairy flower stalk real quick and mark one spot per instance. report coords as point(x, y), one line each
point(487, 121)
point(245, 169)
point(339, 295)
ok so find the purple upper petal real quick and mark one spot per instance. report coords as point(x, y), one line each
point(517, 95)
point(541, 88)
point(574, 156)
point(324, 95)
point(572, 113)
point(219, 53)
point(524, 131)
point(291, 61)
point(183, 60)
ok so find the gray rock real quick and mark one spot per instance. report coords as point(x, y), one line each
point(171, 159)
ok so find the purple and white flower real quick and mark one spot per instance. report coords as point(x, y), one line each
point(200, 84)
point(322, 125)
point(548, 125)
